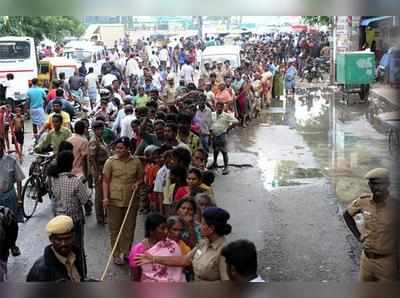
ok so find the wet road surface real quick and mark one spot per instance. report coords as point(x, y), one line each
point(305, 160)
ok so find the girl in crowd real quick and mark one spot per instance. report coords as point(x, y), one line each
point(194, 186)
point(186, 210)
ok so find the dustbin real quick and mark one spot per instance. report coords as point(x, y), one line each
point(355, 71)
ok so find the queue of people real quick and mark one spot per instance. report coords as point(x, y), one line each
point(145, 145)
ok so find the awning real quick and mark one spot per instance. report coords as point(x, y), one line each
point(366, 22)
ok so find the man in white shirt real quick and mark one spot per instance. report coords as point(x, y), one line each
point(126, 128)
point(132, 67)
point(107, 80)
point(153, 60)
point(241, 261)
point(157, 81)
point(163, 56)
point(187, 73)
point(11, 88)
point(221, 124)
point(204, 118)
point(91, 83)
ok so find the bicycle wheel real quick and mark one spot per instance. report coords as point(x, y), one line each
point(30, 196)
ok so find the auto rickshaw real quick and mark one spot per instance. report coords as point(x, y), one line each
point(51, 67)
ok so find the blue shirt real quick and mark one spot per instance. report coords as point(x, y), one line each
point(36, 97)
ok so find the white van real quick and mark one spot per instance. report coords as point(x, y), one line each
point(93, 56)
point(221, 53)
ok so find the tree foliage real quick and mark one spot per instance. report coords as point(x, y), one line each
point(52, 27)
point(317, 20)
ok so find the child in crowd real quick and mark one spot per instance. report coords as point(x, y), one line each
point(18, 130)
point(152, 156)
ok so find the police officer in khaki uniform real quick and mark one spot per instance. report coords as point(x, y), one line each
point(98, 154)
point(377, 237)
point(121, 173)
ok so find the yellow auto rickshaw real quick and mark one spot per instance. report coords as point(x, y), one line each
point(51, 67)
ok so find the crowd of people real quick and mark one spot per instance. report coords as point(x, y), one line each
point(154, 119)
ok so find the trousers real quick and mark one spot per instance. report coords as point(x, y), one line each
point(115, 216)
point(382, 269)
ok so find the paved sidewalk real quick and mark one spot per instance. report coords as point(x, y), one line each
point(387, 93)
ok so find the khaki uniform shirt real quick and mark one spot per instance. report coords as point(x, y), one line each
point(377, 233)
point(123, 174)
point(170, 95)
point(208, 264)
point(98, 153)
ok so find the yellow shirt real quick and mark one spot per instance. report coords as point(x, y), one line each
point(123, 174)
point(66, 120)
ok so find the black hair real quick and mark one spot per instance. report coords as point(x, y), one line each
point(80, 127)
point(160, 115)
point(57, 102)
point(184, 117)
point(170, 117)
point(124, 141)
point(59, 92)
point(91, 69)
point(242, 255)
point(189, 200)
point(65, 146)
point(58, 116)
point(179, 171)
point(165, 148)
point(34, 81)
point(208, 178)
point(152, 222)
point(159, 122)
point(65, 160)
point(97, 124)
point(10, 76)
point(172, 220)
point(142, 111)
point(173, 126)
point(202, 151)
point(135, 122)
point(197, 172)
point(182, 155)
point(218, 221)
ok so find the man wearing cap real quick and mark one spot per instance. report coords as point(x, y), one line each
point(377, 237)
point(61, 261)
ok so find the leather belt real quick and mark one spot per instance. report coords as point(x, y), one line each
point(372, 255)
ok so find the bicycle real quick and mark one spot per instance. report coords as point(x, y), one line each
point(37, 185)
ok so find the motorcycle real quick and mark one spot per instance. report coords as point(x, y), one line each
point(312, 72)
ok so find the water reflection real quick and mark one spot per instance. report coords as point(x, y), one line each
point(342, 142)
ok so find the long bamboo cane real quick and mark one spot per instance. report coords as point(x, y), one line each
point(119, 234)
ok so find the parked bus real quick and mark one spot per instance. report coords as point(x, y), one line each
point(18, 56)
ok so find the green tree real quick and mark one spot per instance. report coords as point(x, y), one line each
point(317, 20)
point(53, 27)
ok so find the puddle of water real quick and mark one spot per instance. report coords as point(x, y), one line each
point(341, 142)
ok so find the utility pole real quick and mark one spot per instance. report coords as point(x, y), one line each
point(333, 50)
point(200, 26)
